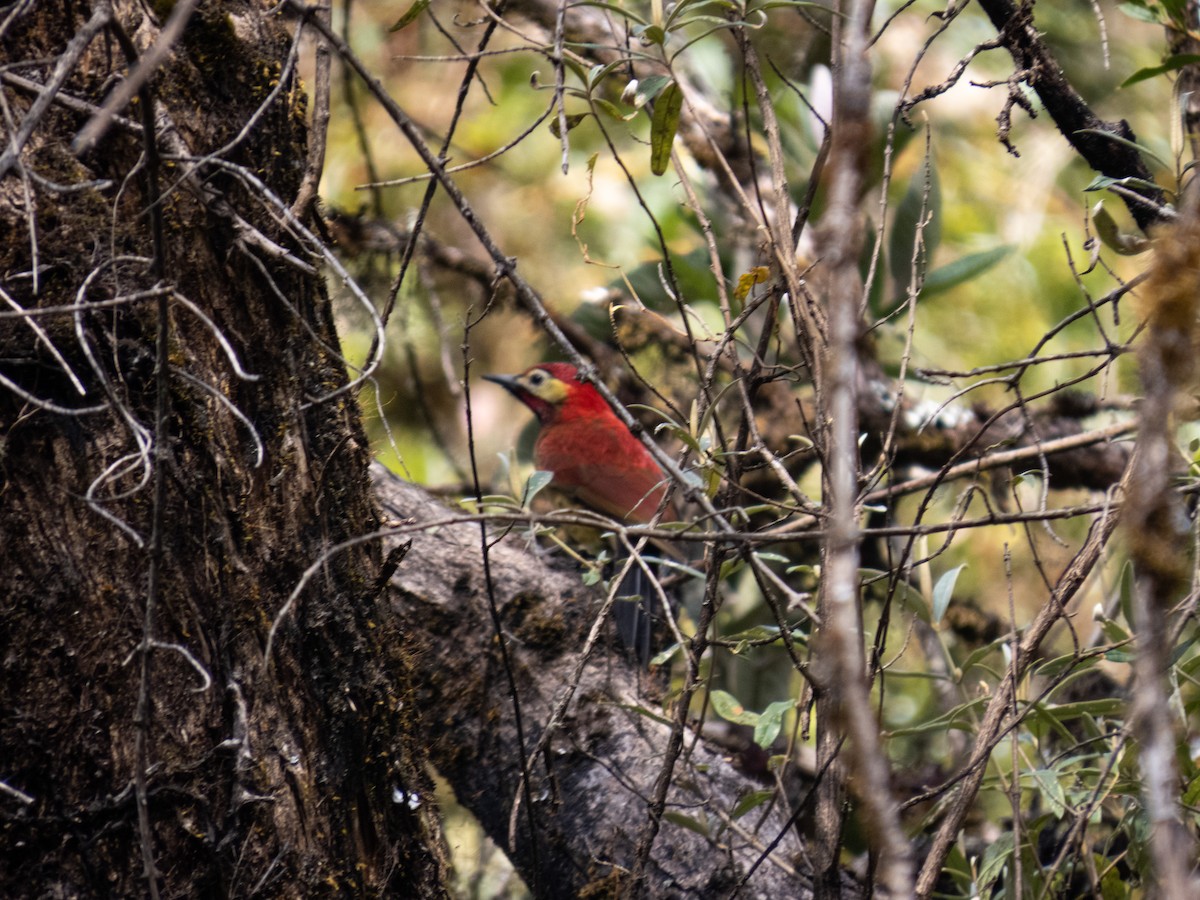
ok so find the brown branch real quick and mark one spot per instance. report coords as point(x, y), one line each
point(1079, 125)
point(65, 66)
point(138, 76)
point(318, 132)
point(844, 707)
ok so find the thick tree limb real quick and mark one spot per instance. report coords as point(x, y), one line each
point(595, 777)
point(1086, 131)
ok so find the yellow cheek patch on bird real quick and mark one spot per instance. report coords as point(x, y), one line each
point(544, 386)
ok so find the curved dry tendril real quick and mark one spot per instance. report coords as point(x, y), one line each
point(229, 405)
point(227, 347)
point(315, 244)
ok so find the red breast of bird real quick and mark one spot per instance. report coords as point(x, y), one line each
point(593, 456)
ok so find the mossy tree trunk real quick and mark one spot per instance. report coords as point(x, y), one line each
point(145, 548)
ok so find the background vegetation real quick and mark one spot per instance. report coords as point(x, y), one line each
point(903, 297)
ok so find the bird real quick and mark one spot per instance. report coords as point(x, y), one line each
point(596, 460)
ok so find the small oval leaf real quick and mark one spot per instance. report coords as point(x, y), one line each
point(750, 801)
point(942, 592)
point(729, 708)
point(534, 485)
point(663, 125)
point(770, 722)
point(572, 121)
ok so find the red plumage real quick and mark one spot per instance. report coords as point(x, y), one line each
point(596, 459)
point(593, 456)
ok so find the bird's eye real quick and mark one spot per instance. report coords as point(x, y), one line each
point(536, 379)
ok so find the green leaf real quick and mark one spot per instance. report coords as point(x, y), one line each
point(644, 712)
point(962, 270)
point(1052, 790)
point(960, 717)
point(960, 870)
point(663, 125)
point(1067, 662)
point(916, 213)
point(471, 505)
point(942, 591)
point(621, 11)
point(979, 654)
point(418, 7)
point(1125, 142)
point(760, 634)
point(678, 566)
point(1105, 706)
point(995, 860)
point(572, 122)
point(815, 571)
point(687, 822)
point(1114, 632)
point(1178, 653)
point(598, 73)
point(1178, 61)
point(1103, 182)
point(678, 432)
point(755, 633)
point(1128, 591)
point(649, 88)
point(685, 6)
point(612, 110)
point(877, 580)
point(576, 68)
point(770, 721)
point(768, 556)
point(1112, 883)
point(1189, 667)
point(731, 567)
point(1175, 8)
point(729, 708)
point(651, 34)
point(1191, 796)
point(720, 25)
point(749, 801)
point(662, 657)
point(1111, 235)
point(778, 4)
point(1140, 11)
point(537, 481)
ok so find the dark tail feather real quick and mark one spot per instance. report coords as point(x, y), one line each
point(635, 617)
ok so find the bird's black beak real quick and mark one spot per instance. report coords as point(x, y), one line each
point(508, 382)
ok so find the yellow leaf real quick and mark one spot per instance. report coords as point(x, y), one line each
point(746, 282)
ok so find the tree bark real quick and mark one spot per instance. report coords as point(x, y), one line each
point(591, 783)
point(145, 549)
